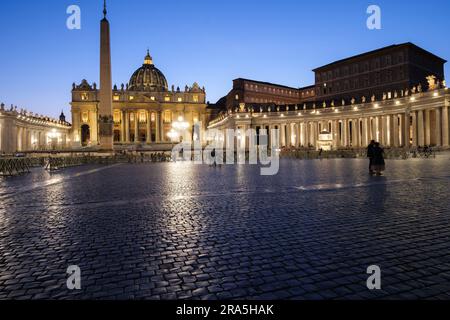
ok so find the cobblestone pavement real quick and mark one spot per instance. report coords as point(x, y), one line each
point(178, 230)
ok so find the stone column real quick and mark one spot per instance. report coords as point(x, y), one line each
point(445, 131)
point(157, 124)
point(335, 134)
point(127, 126)
point(346, 133)
point(283, 135)
point(384, 120)
point(316, 134)
point(122, 127)
point(420, 129)
point(437, 129)
point(364, 132)
point(149, 131)
point(355, 129)
point(161, 128)
point(427, 127)
point(305, 134)
point(395, 139)
point(288, 134)
point(136, 127)
point(359, 133)
point(414, 130)
point(299, 134)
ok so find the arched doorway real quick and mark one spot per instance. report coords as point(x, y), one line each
point(85, 135)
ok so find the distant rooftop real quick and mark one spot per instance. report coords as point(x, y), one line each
point(406, 44)
point(266, 83)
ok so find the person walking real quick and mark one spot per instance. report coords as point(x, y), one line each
point(370, 155)
point(378, 163)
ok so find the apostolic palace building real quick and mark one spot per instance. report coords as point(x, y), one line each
point(396, 95)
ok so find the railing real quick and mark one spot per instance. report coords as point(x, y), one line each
point(14, 166)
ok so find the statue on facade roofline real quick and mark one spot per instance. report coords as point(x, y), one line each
point(395, 94)
point(332, 103)
point(407, 92)
point(413, 90)
point(432, 82)
point(363, 99)
point(419, 88)
point(373, 98)
point(2, 106)
point(353, 100)
point(343, 102)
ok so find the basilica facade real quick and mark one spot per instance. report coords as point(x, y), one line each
point(145, 111)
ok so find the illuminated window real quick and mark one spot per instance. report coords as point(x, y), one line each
point(116, 116)
point(167, 99)
point(131, 98)
point(195, 98)
point(85, 116)
point(153, 117)
point(84, 96)
point(131, 116)
point(237, 97)
point(116, 98)
point(180, 99)
point(167, 116)
point(153, 98)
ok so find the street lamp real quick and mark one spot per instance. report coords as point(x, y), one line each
point(178, 127)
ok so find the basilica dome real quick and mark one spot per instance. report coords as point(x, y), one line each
point(148, 78)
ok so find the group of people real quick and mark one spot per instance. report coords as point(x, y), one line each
point(376, 156)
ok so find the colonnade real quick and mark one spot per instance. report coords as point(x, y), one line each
point(412, 128)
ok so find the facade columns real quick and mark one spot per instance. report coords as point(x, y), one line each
point(127, 126)
point(395, 139)
point(445, 131)
point(161, 128)
point(336, 134)
point(122, 127)
point(148, 127)
point(136, 127)
point(345, 131)
point(158, 123)
point(415, 142)
point(420, 129)
point(283, 135)
point(289, 134)
point(355, 129)
point(437, 128)
point(364, 133)
point(427, 127)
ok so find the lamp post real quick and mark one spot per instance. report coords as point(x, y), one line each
point(178, 129)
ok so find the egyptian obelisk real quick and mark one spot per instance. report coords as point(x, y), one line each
point(105, 119)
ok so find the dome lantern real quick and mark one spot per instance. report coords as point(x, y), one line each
point(148, 78)
point(148, 59)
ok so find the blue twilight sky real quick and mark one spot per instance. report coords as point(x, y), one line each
point(208, 41)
